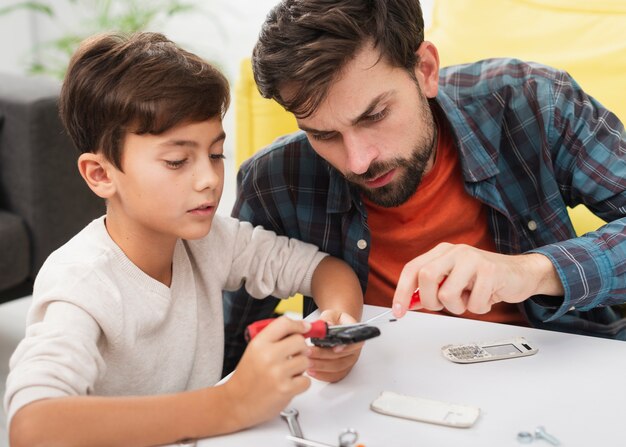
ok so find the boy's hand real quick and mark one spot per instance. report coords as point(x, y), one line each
point(333, 364)
point(270, 372)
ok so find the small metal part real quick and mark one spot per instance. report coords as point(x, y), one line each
point(541, 433)
point(348, 437)
point(525, 437)
point(290, 415)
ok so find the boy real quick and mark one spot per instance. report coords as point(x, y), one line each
point(125, 334)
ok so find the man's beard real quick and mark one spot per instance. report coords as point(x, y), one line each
point(410, 170)
point(398, 191)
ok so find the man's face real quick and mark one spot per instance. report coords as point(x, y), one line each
point(376, 127)
point(171, 183)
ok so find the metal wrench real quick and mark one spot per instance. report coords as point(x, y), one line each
point(290, 415)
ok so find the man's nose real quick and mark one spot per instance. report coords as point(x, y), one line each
point(360, 152)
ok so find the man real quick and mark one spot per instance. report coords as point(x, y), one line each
point(454, 180)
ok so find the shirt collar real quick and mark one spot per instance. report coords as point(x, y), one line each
point(340, 193)
point(479, 156)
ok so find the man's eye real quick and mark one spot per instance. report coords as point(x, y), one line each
point(322, 136)
point(175, 164)
point(377, 116)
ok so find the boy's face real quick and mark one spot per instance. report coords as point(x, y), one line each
point(172, 182)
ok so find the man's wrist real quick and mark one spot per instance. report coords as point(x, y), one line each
point(547, 280)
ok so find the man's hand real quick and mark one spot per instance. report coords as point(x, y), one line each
point(475, 279)
point(333, 364)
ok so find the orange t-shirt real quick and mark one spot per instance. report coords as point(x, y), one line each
point(440, 211)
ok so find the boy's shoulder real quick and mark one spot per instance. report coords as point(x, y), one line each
point(86, 258)
point(86, 246)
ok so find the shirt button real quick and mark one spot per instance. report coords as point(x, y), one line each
point(532, 225)
point(362, 244)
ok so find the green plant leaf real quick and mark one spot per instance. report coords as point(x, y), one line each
point(32, 6)
point(97, 16)
point(179, 8)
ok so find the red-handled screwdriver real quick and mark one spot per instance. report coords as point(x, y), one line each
point(319, 328)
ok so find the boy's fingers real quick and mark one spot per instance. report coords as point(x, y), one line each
point(334, 366)
point(282, 327)
point(331, 317)
point(345, 318)
point(297, 365)
point(300, 384)
point(333, 353)
point(291, 346)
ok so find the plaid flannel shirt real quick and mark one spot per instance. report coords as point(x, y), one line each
point(530, 142)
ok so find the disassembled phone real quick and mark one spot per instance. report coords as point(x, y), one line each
point(346, 335)
point(487, 351)
point(425, 410)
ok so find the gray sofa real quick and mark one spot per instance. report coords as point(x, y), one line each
point(43, 199)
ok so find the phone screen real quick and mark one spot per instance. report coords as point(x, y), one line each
point(501, 349)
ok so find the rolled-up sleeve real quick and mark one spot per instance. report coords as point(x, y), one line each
point(589, 150)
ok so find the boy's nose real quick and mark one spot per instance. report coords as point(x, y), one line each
point(207, 177)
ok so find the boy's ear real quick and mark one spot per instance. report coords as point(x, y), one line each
point(96, 171)
point(427, 69)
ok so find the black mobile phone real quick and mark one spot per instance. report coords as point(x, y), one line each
point(346, 336)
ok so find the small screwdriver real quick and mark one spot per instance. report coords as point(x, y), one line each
point(319, 328)
point(415, 300)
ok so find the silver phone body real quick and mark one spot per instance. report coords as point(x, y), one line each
point(488, 351)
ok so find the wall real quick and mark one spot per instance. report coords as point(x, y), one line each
point(16, 40)
point(224, 38)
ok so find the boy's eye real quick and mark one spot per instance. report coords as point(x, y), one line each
point(175, 164)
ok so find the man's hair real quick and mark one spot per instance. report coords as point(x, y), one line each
point(305, 44)
point(141, 83)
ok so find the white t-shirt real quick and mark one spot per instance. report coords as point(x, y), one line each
point(98, 325)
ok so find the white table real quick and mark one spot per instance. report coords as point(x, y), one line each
point(575, 386)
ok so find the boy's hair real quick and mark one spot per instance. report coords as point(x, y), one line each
point(140, 83)
point(306, 43)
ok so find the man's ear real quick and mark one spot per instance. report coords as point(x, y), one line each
point(96, 171)
point(427, 68)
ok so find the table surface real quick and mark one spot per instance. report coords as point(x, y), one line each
point(575, 386)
